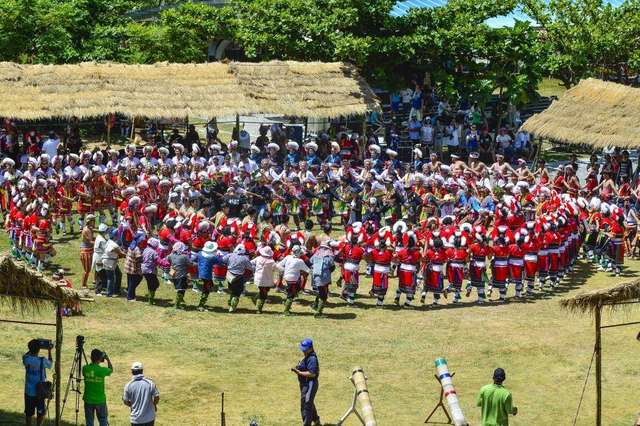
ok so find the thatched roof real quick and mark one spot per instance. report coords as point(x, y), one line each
point(590, 301)
point(594, 112)
point(23, 288)
point(163, 90)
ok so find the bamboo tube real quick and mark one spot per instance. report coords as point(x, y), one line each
point(360, 382)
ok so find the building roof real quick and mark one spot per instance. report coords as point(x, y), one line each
point(594, 112)
point(610, 297)
point(164, 90)
point(25, 289)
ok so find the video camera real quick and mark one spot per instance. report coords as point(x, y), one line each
point(44, 343)
point(79, 342)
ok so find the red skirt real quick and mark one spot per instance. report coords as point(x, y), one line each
point(515, 271)
point(530, 266)
point(407, 276)
point(381, 276)
point(434, 278)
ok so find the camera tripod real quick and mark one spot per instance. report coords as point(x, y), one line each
point(75, 376)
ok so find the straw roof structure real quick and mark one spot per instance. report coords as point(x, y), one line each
point(24, 289)
point(165, 90)
point(590, 301)
point(594, 112)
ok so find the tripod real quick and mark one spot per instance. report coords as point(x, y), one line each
point(75, 376)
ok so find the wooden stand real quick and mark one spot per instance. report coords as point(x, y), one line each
point(351, 410)
point(440, 404)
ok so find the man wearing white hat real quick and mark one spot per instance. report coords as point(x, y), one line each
point(312, 156)
point(142, 396)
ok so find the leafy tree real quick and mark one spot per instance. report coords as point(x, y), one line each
point(585, 38)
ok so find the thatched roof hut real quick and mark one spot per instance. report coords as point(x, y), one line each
point(594, 112)
point(25, 289)
point(164, 90)
point(611, 297)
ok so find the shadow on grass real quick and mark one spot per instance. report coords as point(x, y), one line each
point(13, 418)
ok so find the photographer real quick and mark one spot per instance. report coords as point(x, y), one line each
point(35, 377)
point(95, 398)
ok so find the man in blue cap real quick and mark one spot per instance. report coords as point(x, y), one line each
point(308, 371)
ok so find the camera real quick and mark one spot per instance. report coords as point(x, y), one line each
point(44, 343)
point(79, 342)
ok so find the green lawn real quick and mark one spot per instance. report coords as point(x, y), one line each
point(194, 356)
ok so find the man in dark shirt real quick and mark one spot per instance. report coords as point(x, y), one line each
point(308, 371)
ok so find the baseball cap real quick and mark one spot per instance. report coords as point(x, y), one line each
point(499, 375)
point(306, 344)
point(136, 365)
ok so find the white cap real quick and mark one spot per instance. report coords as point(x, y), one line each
point(136, 365)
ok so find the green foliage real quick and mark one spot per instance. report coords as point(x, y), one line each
point(583, 38)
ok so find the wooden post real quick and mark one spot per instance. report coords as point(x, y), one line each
point(133, 127)
point(237, 127)
point(57, 363)
point(598, 351)
point(108, 129)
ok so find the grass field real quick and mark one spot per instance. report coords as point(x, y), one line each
point(194, 356)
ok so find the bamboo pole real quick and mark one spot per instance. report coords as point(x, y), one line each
point(598, 350)
point(360, 382)
point(133, 127)
point(57, 363)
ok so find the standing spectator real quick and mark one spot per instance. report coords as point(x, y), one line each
point(112, 252)
point(308, 372)
point(94, 397)
point(322, 265)
point(451, 138)
point(86, 247)
point(142, 396)
point(426, 135)
point(180, 264)
point(292, 268)
point(239, 265)
point(98, 253)
point(133, 265)
point(414, 128)
point(522, 144)
point(50, 145)
point(503, 144)
point(495, 401)
point(206, 259)
point(417, 103)
point(485, 148)
point(150, 267)
point(263, 276)
point(36, 367)
point(407, 95)
point(396, 99)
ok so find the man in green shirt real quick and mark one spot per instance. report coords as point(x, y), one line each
point(495, 401)
point(95, 398)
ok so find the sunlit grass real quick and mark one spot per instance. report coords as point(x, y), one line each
point(194, 356)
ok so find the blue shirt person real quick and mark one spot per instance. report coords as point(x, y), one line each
point(35, 373)
point(308, 372)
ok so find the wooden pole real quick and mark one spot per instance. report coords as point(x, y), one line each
point(57, 363)
point(237, 127)
point(598, 351)
point(360, 382)
point(108, 129)
point(133, 126)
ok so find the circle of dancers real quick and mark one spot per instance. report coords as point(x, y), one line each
point(218, 218)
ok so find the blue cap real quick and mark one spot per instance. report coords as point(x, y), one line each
point(306, 344)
